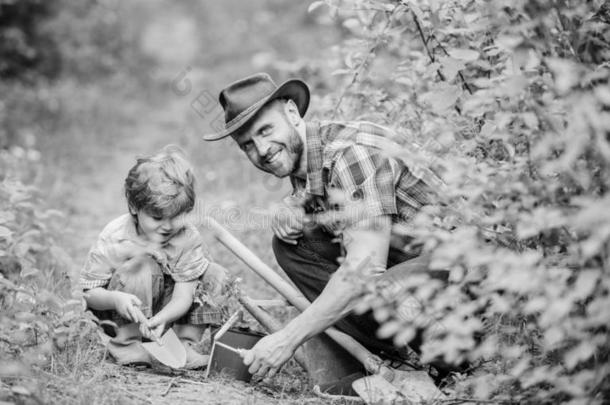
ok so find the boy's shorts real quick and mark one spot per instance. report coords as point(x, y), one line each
point(145, 279)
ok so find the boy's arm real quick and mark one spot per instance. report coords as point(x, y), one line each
point(127, 305)
point(191, 264)
point(179, 304)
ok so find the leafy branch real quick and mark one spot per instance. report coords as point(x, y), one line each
point(522, 223)
point(378, 41)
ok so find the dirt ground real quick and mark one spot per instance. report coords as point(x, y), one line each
point(162, 385)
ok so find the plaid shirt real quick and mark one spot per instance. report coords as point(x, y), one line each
point(363, 165)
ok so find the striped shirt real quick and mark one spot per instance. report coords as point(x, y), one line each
point(359, 170)
point(183, 257)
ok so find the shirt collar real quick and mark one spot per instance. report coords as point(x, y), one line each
point(315, 155)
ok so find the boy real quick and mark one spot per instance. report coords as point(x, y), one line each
point(146, 266)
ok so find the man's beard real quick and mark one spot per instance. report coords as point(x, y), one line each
point(295, 146)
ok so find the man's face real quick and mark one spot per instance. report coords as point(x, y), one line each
point(271, 142)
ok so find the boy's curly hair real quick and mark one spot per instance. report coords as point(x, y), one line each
point(162, 185)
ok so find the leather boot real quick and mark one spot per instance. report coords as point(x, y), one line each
point(126, 348)
point(190, 335)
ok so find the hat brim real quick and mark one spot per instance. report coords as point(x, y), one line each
point(294, 89)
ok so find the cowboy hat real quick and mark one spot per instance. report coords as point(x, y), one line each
point(242, 99)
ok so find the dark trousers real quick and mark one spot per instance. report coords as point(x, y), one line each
point(311, 263)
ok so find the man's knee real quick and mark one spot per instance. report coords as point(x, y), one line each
point(283, 253)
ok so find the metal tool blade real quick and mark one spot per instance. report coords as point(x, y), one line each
point(170, 352)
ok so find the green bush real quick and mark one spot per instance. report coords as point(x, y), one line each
point(43, 325)
point(509, 101)
point(39, 317)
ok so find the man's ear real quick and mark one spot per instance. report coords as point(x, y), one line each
point(292, 111)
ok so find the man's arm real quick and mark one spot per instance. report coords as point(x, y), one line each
point(365, 242)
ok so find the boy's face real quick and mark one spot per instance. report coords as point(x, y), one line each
point(158, 229)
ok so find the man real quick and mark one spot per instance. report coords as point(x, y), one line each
point(347, 188)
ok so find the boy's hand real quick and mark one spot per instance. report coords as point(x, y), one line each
point(127, 305)
point(153, 328)
point(289, 220)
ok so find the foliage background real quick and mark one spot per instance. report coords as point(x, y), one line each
point(508, 101)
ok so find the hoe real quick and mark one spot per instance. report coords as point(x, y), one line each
point(334, 358)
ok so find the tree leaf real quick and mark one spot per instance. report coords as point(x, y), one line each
point(578, 354)
point(442, 99)
point(26, 317)
point(417, 11)
point(19, 390)
point(514, 85)
point(451, 67)
point(565, 73)
point(338, 72)
point(352, 24)
point(5, 232)
point(315, 5)
point(389, 329)
point(6, 216)
point(464, 54)
point(585, 284)
point(530, 119)
point(603, 94)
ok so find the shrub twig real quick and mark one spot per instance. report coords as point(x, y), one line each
point(365, 61)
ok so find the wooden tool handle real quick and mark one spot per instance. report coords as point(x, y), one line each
point(270, 324)
point(241, 352)
point(228, 325)
point(371, 362)
point(249, 258)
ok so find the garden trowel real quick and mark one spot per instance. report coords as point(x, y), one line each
point(168, 350)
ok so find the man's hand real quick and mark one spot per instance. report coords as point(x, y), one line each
point(289, 220)
point(127, 305)
point(269, 354)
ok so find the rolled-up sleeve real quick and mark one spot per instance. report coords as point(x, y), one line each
point(193, 259)
point(97, 270)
